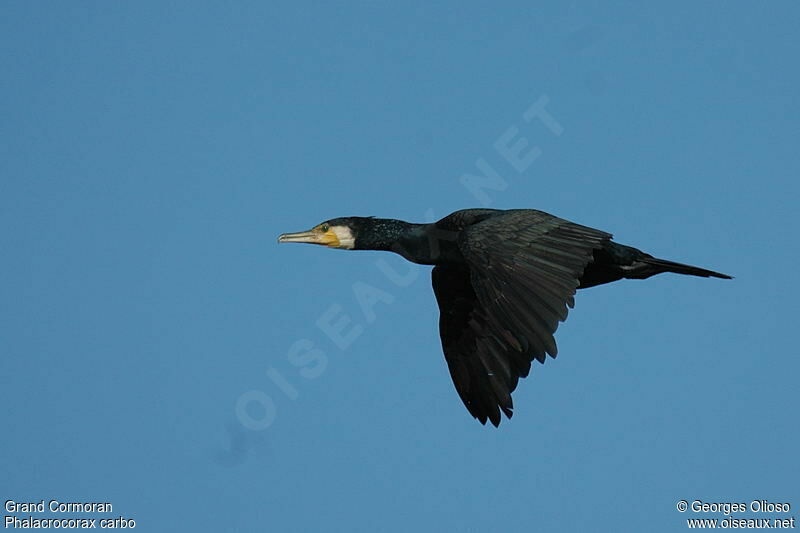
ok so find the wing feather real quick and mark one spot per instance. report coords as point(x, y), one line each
point(500, 309)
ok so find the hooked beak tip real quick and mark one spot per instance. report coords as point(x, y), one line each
point(285, 237)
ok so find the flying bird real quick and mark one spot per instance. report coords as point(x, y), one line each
point(503, 280)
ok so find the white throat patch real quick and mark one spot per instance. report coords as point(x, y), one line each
point(345, 236)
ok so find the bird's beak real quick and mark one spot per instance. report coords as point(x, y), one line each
point(327, 238)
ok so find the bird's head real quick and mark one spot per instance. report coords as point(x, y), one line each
point(334, 233)
point(353, 233)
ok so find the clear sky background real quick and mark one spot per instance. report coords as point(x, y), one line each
point(151, 152)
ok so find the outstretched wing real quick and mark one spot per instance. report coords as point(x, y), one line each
point(499, 311)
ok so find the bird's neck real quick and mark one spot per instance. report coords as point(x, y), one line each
point(419, 243)
point(385, 234)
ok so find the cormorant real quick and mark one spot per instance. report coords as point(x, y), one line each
point(503, 280)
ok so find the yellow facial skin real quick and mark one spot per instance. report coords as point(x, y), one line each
point(322, 234)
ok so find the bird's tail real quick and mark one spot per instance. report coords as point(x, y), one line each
point(657, 266)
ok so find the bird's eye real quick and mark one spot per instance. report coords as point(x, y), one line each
point(324, 228)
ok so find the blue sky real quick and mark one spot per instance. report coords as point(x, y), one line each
point(151, 152)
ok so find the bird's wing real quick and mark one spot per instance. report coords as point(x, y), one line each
point(479, 363)
point(499, 312)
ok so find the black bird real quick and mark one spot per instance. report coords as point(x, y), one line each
point(503, 281)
